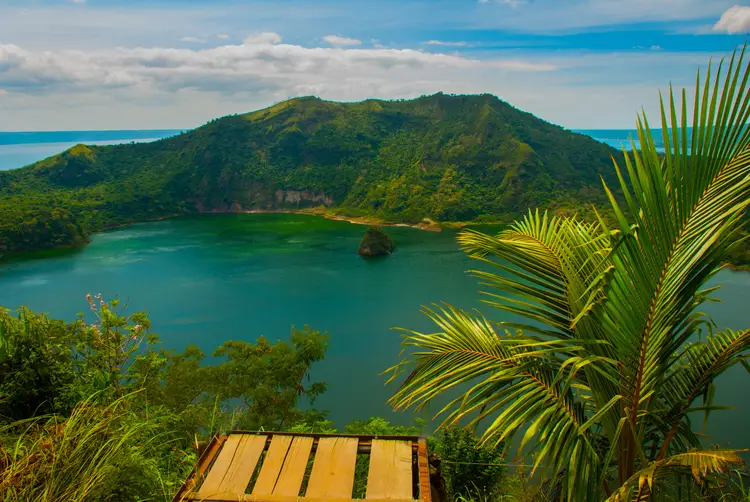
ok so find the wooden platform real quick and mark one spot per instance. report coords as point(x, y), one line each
point(286, 467)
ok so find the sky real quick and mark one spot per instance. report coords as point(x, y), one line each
point(150, 64)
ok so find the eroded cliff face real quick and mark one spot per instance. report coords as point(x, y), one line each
point(265, 200)
point(296, 197)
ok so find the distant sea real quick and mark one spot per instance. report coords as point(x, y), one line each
point(18, 149)
point(619, 138)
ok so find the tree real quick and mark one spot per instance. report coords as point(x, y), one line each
point(610, 356)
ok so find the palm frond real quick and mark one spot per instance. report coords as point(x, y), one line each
point(606, 372)
point(699, 463)
point(684, 210)
point(515, 378)
point(546, 263)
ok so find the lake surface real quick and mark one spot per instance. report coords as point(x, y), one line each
point(206, 279)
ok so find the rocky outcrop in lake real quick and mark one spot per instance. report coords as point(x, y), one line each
point(375, 243)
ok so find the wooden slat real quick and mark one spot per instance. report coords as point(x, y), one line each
point(333, 469)
point(390, 473)
point(197, 473)
point(243, 466)
point(425, 494)
point(293, 471)
point(272, 464)
point(218, 471)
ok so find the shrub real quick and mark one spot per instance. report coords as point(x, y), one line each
point(35, 366)
point(470, 470)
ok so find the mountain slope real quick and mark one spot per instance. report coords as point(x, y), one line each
point(443, 157)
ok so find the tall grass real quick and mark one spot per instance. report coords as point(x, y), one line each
point(97, 453)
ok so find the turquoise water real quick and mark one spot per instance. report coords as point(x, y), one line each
point(621, 138)
point(213, 278)
point(217, 277)
point(209, 279)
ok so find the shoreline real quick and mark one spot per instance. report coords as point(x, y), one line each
point(429, 225)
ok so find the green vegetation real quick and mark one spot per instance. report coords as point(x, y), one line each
point(94, 410)
point(375, 242)
point(601, 380)
point(614, 353)
point(470, 469)
point(444, 157)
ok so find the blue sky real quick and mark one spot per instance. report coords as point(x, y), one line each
point(109, 64)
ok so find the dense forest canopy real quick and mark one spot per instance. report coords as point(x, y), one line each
point(443, 157)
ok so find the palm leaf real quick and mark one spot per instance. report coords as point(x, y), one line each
point(606, 372)
point(699, 463)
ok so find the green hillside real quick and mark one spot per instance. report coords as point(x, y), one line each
point(448, 158)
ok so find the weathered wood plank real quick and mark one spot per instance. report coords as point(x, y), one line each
point(243, 465)
point(293, 471)
point(333, 469)
point(218, 471)
point(425, 495)
point(197, 473)
point(269, 472)
point(390, 473)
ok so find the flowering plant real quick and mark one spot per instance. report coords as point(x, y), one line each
point(106, 347)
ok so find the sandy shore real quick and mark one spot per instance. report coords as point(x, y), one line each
point(428, 224)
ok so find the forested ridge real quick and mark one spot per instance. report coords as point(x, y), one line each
point(444, 157)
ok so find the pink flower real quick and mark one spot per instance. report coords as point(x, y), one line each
point(88, 297)
point(101, 302)
point(137, 328)
point(134, 338)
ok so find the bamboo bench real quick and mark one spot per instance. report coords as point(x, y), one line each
point(278, 464)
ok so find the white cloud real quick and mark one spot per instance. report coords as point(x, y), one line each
point(78, 1)
point(228, 78)
point(259, 61)
point(656, 47)
point(338, 41)
point(267, 37)
point(735, 20)
point(194, 40)
point(170, 87)
point(222, 36)
point(446, 44)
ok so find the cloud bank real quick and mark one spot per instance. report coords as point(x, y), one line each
point(261, 62)
point(735, 20)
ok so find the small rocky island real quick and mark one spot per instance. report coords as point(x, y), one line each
point(375, 243)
